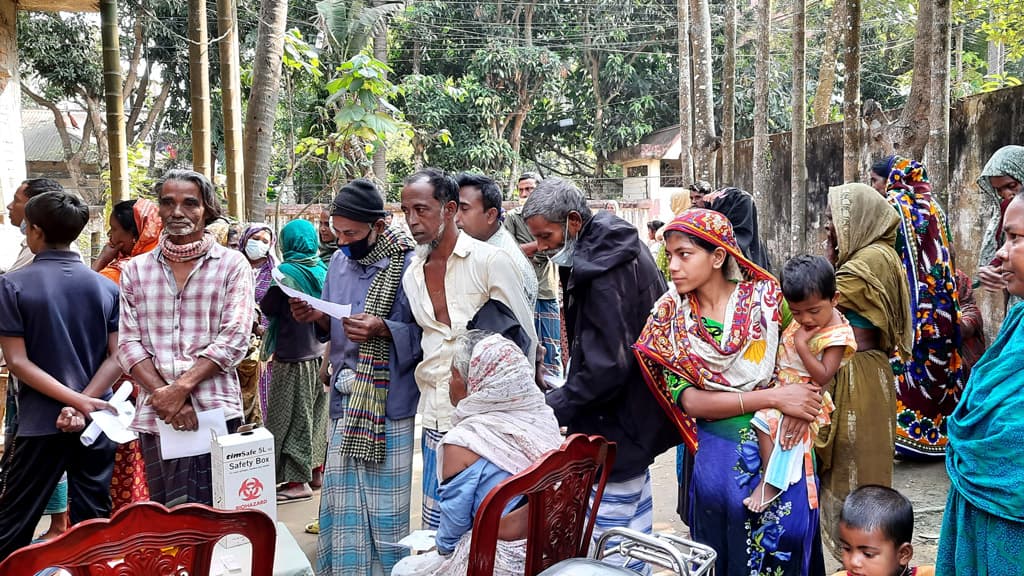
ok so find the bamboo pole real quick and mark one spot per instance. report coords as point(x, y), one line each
point(117, 143)
point(199, 87)
point(231, 103)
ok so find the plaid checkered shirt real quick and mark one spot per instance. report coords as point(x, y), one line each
point(210, 318)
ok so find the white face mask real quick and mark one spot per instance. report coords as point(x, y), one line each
point(564, 256)
point(255, 249)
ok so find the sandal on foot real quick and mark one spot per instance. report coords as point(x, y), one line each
point(285, 498)
point(313, 527)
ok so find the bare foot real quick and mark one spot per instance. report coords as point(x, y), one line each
point(762, 496)
point(58, 526)
point(318, 479)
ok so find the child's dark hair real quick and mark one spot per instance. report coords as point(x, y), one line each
point(807, 276)
point(872, 506)
point(60, 215)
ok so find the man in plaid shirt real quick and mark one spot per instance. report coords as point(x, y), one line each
point(186, 315)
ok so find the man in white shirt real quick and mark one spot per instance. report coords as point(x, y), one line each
point(16, 209)
point(480, 216)
point(449, 280)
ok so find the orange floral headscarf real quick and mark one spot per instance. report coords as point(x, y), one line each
point(149, 225)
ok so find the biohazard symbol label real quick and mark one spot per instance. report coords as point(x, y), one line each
point(250, 489)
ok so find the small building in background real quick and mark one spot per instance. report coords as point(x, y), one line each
point(651, 171)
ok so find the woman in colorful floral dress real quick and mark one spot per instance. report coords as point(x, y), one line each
point(928, 386)
point(708, 353)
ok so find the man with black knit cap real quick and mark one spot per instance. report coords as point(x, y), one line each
point(373, 353)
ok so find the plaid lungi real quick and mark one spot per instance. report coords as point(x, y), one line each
point(549, 331)
point(431, 503)
point(365, 505)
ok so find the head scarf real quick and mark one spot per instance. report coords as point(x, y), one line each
point(364, 436)
point(262, 274)
point(1007, 161)
point(504, 418)
point(302, 269)
point(738, 206)
point(676, 349)
point(869, 274)
point(149, 225)
point(679, 202)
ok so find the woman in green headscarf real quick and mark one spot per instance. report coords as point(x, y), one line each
point(296, 401)
point(1001, 179)
point(857, 448)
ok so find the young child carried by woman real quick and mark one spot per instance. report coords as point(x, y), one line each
point(813, 347)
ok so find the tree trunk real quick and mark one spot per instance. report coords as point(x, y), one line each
point(827, 70)
point(70, 162)
point(996, 58)
point(958, 60)
point(380, 158)
point(155, 112)
point(259, 118)
point(937, 151)
point(851, 94)
point(705, 140)
point(762, 62)
point(199, 86)
point(116, 141)
point(231, 105)
point(685, 109)
point(729, 96)
point(798, 169)
point(910, 132)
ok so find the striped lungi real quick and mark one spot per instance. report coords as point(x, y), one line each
point(626, 505)
point(364, 505)
point(548, 323)
point(431, 503)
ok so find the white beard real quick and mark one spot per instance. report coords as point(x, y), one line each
point(424, 250)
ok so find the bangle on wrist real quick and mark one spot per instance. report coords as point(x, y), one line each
point(742, 409)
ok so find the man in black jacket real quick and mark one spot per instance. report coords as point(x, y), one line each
point(611, 283)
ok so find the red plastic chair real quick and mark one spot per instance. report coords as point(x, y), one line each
point(560, 516)
point(146, 539)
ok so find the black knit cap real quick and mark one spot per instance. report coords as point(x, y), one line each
point(359, 200)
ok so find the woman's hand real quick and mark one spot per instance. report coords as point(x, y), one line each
point(991, 278)
point(798, 401)
point(107, 255)
point(792, 432)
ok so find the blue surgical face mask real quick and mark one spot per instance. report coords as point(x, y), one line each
point(23, 227)
point(564, 256)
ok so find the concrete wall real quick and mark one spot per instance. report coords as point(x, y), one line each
point(12, 146)
point(979, 125)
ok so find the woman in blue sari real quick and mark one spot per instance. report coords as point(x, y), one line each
point(983, 527)
point(708, 353)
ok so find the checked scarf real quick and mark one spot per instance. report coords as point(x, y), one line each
point(364, 418)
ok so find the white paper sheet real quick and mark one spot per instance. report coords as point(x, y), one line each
point(185, 443)
point(105, 422)
point(417, 541)
point(338, 311)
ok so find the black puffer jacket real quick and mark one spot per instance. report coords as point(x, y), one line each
point(609, 293)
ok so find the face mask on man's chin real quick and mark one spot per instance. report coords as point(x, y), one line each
point(23, 227)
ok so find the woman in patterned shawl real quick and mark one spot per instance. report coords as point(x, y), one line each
point(708, 353)
point(928, 386)
point(257, 242)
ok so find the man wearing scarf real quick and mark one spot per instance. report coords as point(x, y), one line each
point(186, 315)
point(368, 474)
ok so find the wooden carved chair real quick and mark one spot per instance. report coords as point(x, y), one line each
point(560, 516)
point(147, 539)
